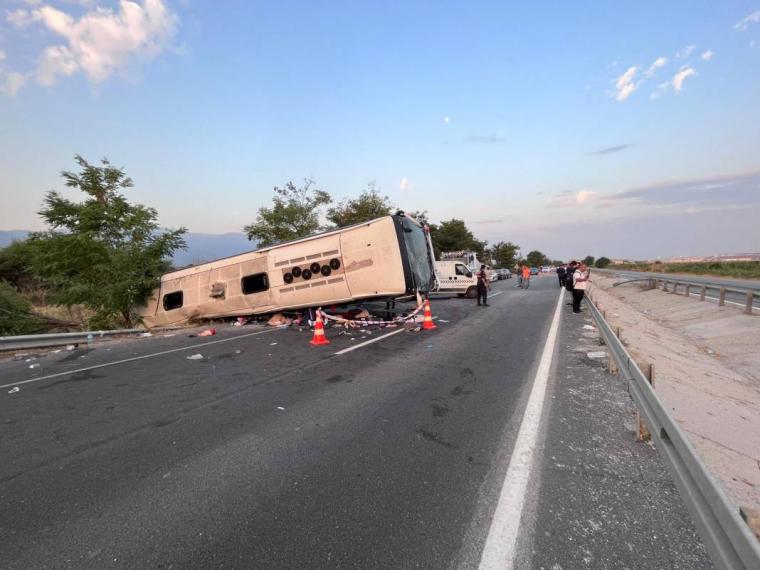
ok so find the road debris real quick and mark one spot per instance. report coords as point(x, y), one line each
point(14, 390)
point(280, 408)
point(35, 365)
point(197, 356)
point(589, 328)
point(278, 320)
point(272, 344)
point(208, 332)
point(145, 335)
point(71, 347)
point(597, 354)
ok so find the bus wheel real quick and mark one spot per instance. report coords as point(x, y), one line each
point(472, 292)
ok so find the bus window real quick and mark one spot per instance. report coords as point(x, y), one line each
point(255, 283)
point(173, 301)
point(418, 256)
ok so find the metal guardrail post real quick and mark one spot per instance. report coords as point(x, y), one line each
point(688, 290)
point(664, 286)
point(728, 539)
point(750, 299)
point(722, 297)
point(702, 293)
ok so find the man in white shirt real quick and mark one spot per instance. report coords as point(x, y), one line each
point(581, 278)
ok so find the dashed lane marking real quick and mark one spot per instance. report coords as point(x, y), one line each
point(134, 358)
point(500, 548)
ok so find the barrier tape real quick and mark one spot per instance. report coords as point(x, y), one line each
point(364, 322)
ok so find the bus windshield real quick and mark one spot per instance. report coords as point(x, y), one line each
point(418, 255)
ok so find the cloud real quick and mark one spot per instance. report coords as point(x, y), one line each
point(2, 55)
point(485, 139)
point(680, 77)
point(11, 82)
point(685, 52)
point(713, 192)
point(569, 199)
point(489, 221)
point(404, 185)
point(447, 119)
point(610, 149)
point(657, 64)
point(102, 41)
point(624, 85)
point(707, 55)
point(744, 23)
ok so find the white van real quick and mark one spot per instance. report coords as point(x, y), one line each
point(456, 277)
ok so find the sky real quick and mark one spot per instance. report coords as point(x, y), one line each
point(625, 129)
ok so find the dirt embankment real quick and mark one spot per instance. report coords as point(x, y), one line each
point(707, 367)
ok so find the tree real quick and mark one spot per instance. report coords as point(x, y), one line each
point(368, 206)
point(589, 260)
point(453, 235)
point(294, 214)
point(104, 252)
point(535, 258)
point(14, 265)
point(504, 254)
point(603, 262)
point(15, 313)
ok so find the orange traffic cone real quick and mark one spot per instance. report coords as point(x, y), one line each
point(319, 332)
point(427, 322)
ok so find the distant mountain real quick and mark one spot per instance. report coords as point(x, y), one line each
point(200, 247)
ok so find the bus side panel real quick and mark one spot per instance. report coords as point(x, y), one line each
point(317, 290)
point(373, 260)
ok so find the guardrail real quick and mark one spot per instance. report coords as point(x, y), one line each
point(58, 339)
point(728, 539)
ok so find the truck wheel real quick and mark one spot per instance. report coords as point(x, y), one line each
point(471, 293)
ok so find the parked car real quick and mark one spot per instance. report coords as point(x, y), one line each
point(534, 270)
point(504, 273)
point(493, 275)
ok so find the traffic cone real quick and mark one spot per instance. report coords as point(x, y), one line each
point(427, 322)
point(319, 332)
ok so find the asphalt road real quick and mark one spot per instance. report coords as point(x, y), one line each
point(270, 453)
point(713, 285)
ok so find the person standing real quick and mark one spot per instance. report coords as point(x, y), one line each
point(561, 273)
point(581, 279)
point(526, 276)
point(483, 284)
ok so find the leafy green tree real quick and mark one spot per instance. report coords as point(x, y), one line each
point(369, 205)
point(294, 214)
point(504, 254)
point(602, 262)
point(453, 235)
point(104, 252)
point(589, 260)
point(15, 313)
point(535, 258)
point(14, 265)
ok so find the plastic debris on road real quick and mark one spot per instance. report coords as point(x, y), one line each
point(599, 354)
point(280, 408)
point(279, 320)
point(35, 365)
point(589, 328)
point(71, 347)
point(442, 321)
point(208, 332)
point(415, 329)
point(197, 356)
point(272, 344)
point(32, 359)
point(14, 390)
point(145, 335)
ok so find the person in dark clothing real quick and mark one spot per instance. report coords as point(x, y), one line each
point(561, 275)
point(483, 284)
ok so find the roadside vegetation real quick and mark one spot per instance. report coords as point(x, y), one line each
point(737, 269)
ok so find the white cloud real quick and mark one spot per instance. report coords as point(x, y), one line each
point(11, 82)
point(102, 41)
point(404, 185)
point(707, 55)
point(681, 76)
point(447, 119)
point(569, 199)
point(2, 55)
point(743, 24)
point(624, 85)
point(685, 52)
point(656, 64)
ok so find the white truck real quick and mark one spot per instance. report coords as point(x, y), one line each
point(455, 277)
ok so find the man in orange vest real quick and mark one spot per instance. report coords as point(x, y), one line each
point(525, 276)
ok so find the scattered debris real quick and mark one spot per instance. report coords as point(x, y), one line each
point(598, 354)
point(71, 347)
point(442, 321)
point(168, 335)
point(272, 344)
point(197, 356)
point(415, 329)
point(280, 408)
point(35, 365)
point(278, 320)
point(208, 332)
point(32, 359)
point(14, 390)
point(589, 328)
point(145, 335)
point(55, 351)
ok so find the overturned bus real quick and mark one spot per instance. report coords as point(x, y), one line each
point(389, 257)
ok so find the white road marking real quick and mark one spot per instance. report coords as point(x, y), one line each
point(500, 548)
point(365, 343)
point(497, 293)
point(114, 363)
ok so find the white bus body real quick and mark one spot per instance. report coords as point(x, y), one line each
point(388, 257)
